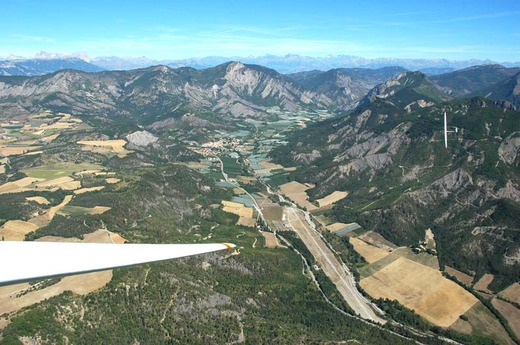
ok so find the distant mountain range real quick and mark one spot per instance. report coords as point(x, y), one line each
point(143, 96)
point(282, 64)
point(34, 67)
point(345, 85)
point(471, 80)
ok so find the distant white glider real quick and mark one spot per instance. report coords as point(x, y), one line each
point(22, 261)
point(456, 130)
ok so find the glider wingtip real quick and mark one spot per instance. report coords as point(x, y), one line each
point(229, 245)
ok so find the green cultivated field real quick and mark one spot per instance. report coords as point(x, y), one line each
point(52, 171)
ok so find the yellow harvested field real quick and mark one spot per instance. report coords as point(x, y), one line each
point(267, 166)
point(65, 183)
point(19, 185)
point(39, 199)
point(105, 173)
point(245, 221)
point(375, 239)
point(512, 293)
point(60, 125)
point(86, 172)
point(16, 150)
point(369, 252)
point(87, 190)
point(331, 198)
point(461, 276)
point(100, 209)
point(112, 180)
point(51, 137)
point(483, 283)
point(270, 239)
point(15, 230)
point(45, 219)
point(297, 192)
point(2, 169)
point(336, 226)
point(293, 187)
point(32, 153)
point(16, 297)
point(420, 288)
point(105, 146)
point(510, 312)
point(53, 210)
point(237, 208)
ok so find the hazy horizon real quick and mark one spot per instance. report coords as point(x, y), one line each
point(165, 30)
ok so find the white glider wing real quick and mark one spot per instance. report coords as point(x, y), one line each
point(22, 261)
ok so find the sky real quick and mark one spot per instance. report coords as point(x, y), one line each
point(168, 30)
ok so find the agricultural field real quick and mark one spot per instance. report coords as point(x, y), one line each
point(461, 276)
point(270, 239)
point(46, 218)
point(245, 214)
point(81, 211)
point(335, 226)
point(512, 293)
point(375, 239)
point(369, 252)
point(297, 193)
point(479, 321)
point(8, 150)
point(510, 313)
point(483, 283)
point(331, 198)
point(231, 167)
point(247, 221)
point(87, 190)
point(420, 288)
point(416, 282)
point(64, 183)
point(237, 208)
point(19, 186)
point(15, 230)
point(268, 166)
point(57, 170)
point(105, 147)
point(39, 199)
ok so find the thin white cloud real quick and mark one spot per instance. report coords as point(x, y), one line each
point(29, 38)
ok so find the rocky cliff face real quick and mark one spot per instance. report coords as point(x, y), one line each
point(508, 89)
point(346, 86)
point(472, 80)
point(231, 89)
point(401, 180)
